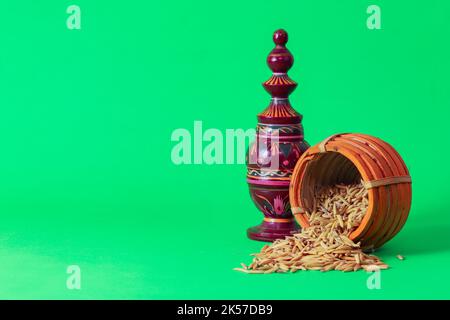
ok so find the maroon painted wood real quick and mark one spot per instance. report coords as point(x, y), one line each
point(278, 145)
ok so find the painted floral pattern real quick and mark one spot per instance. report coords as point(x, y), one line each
point(278, 205)
point(279, 208)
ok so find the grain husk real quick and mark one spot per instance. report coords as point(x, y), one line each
point(325, 245)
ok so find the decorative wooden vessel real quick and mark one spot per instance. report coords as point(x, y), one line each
point(278, 145)
point(350, 158)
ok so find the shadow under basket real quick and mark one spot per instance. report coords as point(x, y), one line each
point(348, 159)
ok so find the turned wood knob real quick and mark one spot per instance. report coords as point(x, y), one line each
point(280, 60)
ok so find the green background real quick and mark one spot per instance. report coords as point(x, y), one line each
point(86, 118)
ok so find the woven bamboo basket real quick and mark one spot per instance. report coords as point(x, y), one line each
point(351, 158)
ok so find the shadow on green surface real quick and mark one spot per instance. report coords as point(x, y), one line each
point(421, 239)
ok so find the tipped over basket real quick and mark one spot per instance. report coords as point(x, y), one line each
point(347, 159)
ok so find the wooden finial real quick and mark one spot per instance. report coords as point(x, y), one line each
point(280, 37)
point(280, 60)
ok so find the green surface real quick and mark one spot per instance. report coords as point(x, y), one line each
point(86, 118)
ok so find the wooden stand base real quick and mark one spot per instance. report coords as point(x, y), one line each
point(270, 231)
